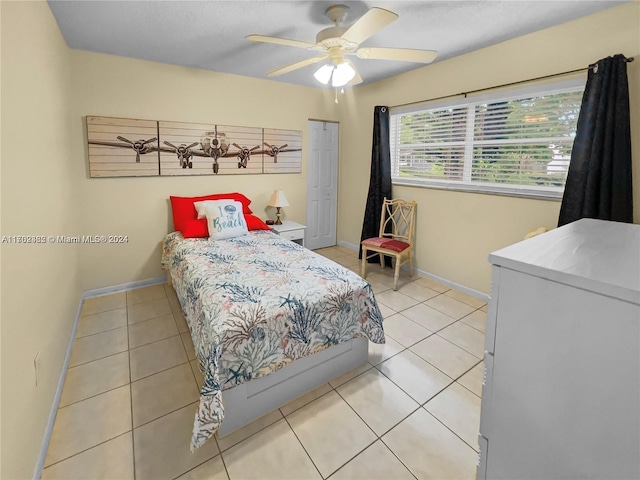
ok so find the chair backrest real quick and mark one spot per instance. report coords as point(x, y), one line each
point(397, 219)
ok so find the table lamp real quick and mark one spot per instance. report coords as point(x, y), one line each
point(278, 200)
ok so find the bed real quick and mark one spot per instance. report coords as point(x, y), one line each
point(270, 320)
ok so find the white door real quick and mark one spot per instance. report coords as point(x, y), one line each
point(322, 185)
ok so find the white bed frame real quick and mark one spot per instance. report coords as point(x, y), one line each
point(249, 401)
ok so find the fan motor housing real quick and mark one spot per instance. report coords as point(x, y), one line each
point(331, 37)
point(330, 34)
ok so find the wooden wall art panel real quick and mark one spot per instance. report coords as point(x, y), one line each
point(201, 149)
point(120, 147)
point(282, 151)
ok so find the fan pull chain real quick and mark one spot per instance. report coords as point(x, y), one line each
point(336, 95)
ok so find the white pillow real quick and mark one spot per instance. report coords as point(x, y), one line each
point(225, 219)
point(201, 207)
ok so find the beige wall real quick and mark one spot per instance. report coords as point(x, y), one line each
point(138, 207)
point(40, 287)
point(455, 230)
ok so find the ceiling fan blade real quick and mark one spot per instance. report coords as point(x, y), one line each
point(294, 66)
point(370, 23)
point(280, 41)
point(402, 54)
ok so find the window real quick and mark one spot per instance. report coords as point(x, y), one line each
point(516, 143)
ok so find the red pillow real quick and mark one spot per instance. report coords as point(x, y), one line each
point(183, 209)
point(198, 228)
point(254, 223)
point(195, 228)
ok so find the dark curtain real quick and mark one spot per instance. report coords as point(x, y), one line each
point(599, 178)
point(380, 181)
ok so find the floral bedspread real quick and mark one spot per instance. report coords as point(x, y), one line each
point(257, 302)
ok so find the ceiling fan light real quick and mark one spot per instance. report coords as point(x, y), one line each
point(323, 74)
point(343, 74)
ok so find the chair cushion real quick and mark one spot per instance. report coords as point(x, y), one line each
point(386, 243)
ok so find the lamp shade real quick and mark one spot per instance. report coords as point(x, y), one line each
point(338, 75)
point(278, 199)
point(323, 74)
point(342, 75)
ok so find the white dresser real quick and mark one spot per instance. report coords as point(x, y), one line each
point(561, 395)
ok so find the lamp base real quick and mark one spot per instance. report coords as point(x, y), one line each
point(278, 221)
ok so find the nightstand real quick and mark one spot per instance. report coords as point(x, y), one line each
point(291, 231)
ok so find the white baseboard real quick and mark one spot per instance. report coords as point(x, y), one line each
point(449, 283)
point(123, 287)
point(469, 291)
point(96, 292)
point(48, 431)
point(350, 246)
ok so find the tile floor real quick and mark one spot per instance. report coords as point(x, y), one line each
point(412, 411)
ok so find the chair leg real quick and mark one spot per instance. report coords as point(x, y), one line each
point(382, 261)
point(396, 275)
point(363, 265)
point(410, 265)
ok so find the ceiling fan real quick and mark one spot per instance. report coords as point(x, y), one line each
point(339, 41)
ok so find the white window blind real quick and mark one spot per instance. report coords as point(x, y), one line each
point(514, 143)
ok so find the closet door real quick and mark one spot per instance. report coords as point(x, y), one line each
point(322, 185)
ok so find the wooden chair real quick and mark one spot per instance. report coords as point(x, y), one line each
point(397, 216)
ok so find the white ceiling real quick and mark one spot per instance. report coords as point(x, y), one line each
point(210, 35)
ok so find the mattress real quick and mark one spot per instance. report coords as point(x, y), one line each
point(258, 302)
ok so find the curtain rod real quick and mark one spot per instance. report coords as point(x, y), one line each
point(628, 60)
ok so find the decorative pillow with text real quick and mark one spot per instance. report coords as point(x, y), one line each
point(225, 219)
